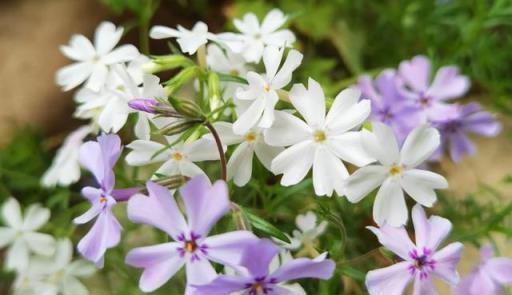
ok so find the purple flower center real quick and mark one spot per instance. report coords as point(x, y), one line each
point(424, 101)
point(260, 286)
point(423, 263)
point(192, 246)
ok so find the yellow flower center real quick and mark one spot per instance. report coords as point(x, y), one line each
point(177, 156)
point(319, 136)
point(234, 72)
point(395, 170)
point(258, 287)
point(266, 87)
point(251, 136)
point(103, 200)
point(190, 246)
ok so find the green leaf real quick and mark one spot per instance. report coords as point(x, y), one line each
point(231, 78)
point(353, 273)
point(264, 226)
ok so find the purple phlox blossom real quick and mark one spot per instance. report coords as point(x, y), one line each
point(430, 96)
point(489, 277)
point(204, 205)
point(420, 261)
point(456, 122)
point(99, 157)
point(388, 105)
point(255, 278)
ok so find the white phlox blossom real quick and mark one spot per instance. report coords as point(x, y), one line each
point(189, 40)
point(308, 229)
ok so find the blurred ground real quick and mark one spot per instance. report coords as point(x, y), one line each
point(32, 30)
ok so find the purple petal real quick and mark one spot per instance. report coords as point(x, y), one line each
point(387, 84)
point(482, 123)
point(199, 272)
point(416, 73)
point(100, 157)
point(204, 204)
point(319, 268)
point(158, 209)
point(500, 270)
point(429, 232)
point(365, 84)
point(124, 194)
point(447, 260)
point(464, 286)
point(448, 84)
point(482, 285)
point(486, 253)
point(423, 286)
point(160, 263)
point(143, 104)
point(92, 194)
point(228, 248)
point(258, 264)
point(89, 214)
point(390, 280)
point(222, 285)
point(460, 145)
point(90, 158)
point(104, 234)
point(395, 239)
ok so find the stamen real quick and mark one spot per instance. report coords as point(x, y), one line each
point(266, 87)
point(319, 136)
point(395, 170)
point(177, 156)
point(251, 136)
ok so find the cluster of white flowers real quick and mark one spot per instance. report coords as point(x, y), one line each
point(42, 264)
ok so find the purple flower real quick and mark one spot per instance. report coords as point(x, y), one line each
point(255, 279)
point(431, 97)
point(143, 104)
point(204, 205)
point(420, 261)
point(489, 277)
point(388, 105)
point(99, 157)
point(457, 121)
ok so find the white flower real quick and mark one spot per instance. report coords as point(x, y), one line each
point(255, 37)
point(55, 275)
point(308, 229)
point(226, 62)
point(189, 40)
point(178, 159)
point(93, 61)
point(322, 142)
point(395, 172)
point(65, 168)
point(21, 234)
point(240, 162)
point(262, 89)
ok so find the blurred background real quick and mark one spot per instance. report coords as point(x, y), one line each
point(341, 39)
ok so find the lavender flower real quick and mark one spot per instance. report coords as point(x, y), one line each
point(431, 97)
point(204, 205)
point(255, 278)
point(143, 104)
point(489, 277)
point(457, 121)
point(388, 105)
point(421, 260)
point(99, 157)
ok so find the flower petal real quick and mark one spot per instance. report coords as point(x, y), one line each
point(204, 204)
point(160, 263)
point(159, 209)
point(396, 239)
point(448, 84)
point(226, 134)
point(447, 260)
point(266, 153)
point(272, 56)
point(203, 149)
point(419, 145)
point(294, 162)
point(416, 72)
point(284, 75)
point(17, 256)
point(35, 217)
point(390, 280)
point(250, 117)
point(328, 173)
point(97, 78)
point(349, 147)
point(162, 32)
point(79, 49)
point(430, 232)
point(240, 164)
point(381, 144)
point(71, 285)
point(287, 130)
point(39, 243)
point(318, 268)
point(222, 285)
point(89, 214)
point(364, 181)
point(106, 37)
point(228, 248)
point(73, 75)
point(423, 286)
point(500, 270)
point(11, 212)
point(121, 54)
point(420, 185)
point(273, 21)
point(199, 272)
point(346, 112)
point(309, 102)
point(7, 236)
point(143, 152)
point(389, 206)
point(259, 266)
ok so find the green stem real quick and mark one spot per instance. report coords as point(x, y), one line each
point(223, 167)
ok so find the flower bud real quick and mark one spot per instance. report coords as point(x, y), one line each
point(166, 62)
point(186, 108)
point(180, 79)
point(214, 98)
point(178, 127)
point(143, 104)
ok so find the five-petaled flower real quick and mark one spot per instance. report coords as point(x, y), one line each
point(205, 205)
point(396, 172)
point(420, 261)
point(189, 40)
point(323, 141)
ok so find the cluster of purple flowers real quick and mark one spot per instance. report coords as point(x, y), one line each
point(409, 97)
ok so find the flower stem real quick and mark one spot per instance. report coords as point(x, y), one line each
point(223, 168)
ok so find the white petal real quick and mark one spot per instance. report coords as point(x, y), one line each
point(41, 244)
point(106, 37)
point(272, 56)
point(267, 118)
point(73, 75)
point(80, 48)
point(35, 217)
point(203, 149)
point(420, 185)
point(286, 130)
point(152, 87)
point(284, 75)
point(363, 181)
point(162, 32)
point(248, 25)
point(329, 173)
point(345, 115)
point(142, 127)
point(381, 144)
point(389, 206)
point(11, 212)
point(17, 256)
point(122, 54)
point(294, 162)
point(169, 168)
point(253, 51)
point(143, 152)
point(309, 102)
point(226, 134)
point(240, 164)
point(273, 21)
point(419, 145)
point(190, 169)
point(114, 115)
point(250, 117)
point(7, 236)
point(284, 38)
point(72, 286)
point(98, 77)
point(266, 153)
point(349, 147)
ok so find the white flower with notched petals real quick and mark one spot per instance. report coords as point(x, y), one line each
point(262, 90)
point(55, 275)
point(240, 162)
point(227, 62)
point(255, 37)
point(308, 229)
point(21, 234)
point(93, 61)
point(395, 172)
point(189, 40)
point(178, 159)
point(65, 168)
point(321, 142)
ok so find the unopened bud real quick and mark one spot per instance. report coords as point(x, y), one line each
point(180, 79)
point(173, 182)
point(147, 105)
point(166, 62)
point(186, 108)
point(178, 127)
point(214, 98)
